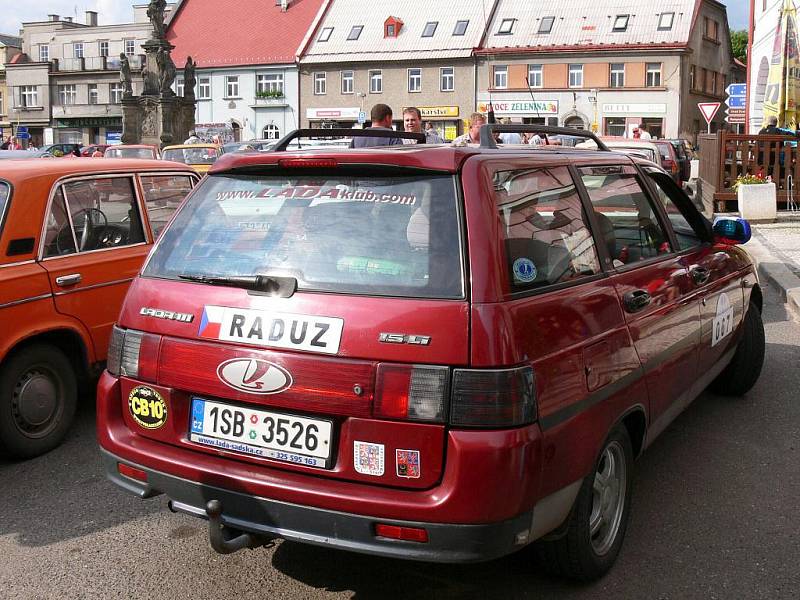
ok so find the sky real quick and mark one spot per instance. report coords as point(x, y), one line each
point(121, 11)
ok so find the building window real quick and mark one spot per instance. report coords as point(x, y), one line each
point(355, 32)
point(546, 24)
point(461, 27)
point(576, 76)
point(270, 83)
point(94, 96)
point(447, 77)
point(506, 27)
point(1, 104)
point(375, 82)
point(320, 84)
point(535, 79)
point(711, 29)
point(665, 21)
point(231, 86)
point(179, 87)
point(271, 132)
point(116, 93)
point(430, 28)
point(325, 34)
point(77, 49)
point(653, 78)
point(103, 48)
point(390, 31)
point(415, 80)
point(621, 23)
point(29, 95)
point(347, 82)
point(44, 53)
point(204, 88)
point(67, 94)
point(617, 75)
point(500, 77)
point(615, 126)
point(130, 47)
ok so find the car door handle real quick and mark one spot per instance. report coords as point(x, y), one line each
point(700, 275)
point(636, 300)
point(66, 280)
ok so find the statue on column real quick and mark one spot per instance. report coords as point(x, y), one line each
point(125, 75)
point(155, 12)
point(189, 79)
point(166, 71)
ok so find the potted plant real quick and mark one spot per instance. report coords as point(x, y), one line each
point(269, 94)
point(757, 197)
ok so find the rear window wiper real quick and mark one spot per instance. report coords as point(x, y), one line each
point(283, 287)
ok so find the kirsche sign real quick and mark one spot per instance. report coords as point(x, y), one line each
point(624, 109)
point(522, 107)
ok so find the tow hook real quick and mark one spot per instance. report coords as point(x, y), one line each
point(224, 539)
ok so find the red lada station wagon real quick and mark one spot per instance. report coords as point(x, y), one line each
point(429, 352)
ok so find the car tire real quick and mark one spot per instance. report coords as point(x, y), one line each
point(744, 369)
point(38, 397)
point(595, 529)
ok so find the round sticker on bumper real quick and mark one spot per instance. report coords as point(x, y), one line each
point(147, 407)
point(524, 270)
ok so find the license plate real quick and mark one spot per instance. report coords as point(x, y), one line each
point(261, 433)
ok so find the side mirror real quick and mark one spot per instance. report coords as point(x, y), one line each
point(732, 231)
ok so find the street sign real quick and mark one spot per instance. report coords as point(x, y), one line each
point(708, 110)
point(362, 117)
point(23, 135)
point(22, 129)
point(736, 102)
point(737, 89)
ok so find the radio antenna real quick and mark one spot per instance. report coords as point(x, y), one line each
point(533, 98)
point(490, 118)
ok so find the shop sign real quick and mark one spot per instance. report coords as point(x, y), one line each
point(90, 122)
point(432, 112)
point(350, 113)
point(631, 109)
point(521, 107)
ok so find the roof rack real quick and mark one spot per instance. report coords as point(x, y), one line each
point(488, 131)
point(284, 142)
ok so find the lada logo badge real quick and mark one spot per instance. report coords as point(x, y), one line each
point(254, 376)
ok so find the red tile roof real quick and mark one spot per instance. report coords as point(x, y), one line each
point(225, 33)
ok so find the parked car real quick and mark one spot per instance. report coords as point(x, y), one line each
point(73, 233)
point(22, 154)
point(145, 151)
point(61, 150)
point(683, 159)
point(198, 156)
point(669, 160)
point(643, 148)
point(439, 353)
point(90, 150)
point(259, 145)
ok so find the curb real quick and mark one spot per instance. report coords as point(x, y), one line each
point(773, 268)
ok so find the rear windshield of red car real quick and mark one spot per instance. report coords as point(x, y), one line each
point(385, 236)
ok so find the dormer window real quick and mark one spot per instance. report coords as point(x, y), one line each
point(391, 27)
point(461, 28)
point(506, 27)
point(621, 23)
point(430, 28)
point(325, 34)
point(355, 32)
point(546, 24)
point(665, 21)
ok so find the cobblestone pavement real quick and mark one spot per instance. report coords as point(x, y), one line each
point(782, 239)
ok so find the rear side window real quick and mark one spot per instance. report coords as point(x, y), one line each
point(663, 149)
point(5, 192)
point(629, 224)
point(162, 195)
point(386, 236)
point(546, 237)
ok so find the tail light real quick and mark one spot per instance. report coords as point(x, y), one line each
point(395, 532)
point(133, 353)
point(493, 398)
point(411, 392)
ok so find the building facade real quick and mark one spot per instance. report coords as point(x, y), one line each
point(607, 67)
point(247, 76)
point(65, 84)
point(765, 17)
point(10, 46)
point(412, 54)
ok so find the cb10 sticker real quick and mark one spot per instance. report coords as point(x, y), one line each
point(147, 407)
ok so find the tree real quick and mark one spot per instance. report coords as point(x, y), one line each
point(739, 43)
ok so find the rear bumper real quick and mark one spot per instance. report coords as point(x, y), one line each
point(446, 542)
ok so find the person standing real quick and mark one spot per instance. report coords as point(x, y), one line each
point(473, 135)
point(412, 123)
point(381, 117)
point(643, 133)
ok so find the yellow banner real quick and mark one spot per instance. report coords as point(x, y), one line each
point(438, 111)
point(782, 93)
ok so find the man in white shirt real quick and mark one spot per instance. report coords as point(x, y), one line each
point(473, 135)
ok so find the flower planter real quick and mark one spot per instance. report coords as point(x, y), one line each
point(758, 202)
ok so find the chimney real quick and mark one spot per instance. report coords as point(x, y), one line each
point(91, 18)
point(52, 17)
point(284, 4)
point(68, 19)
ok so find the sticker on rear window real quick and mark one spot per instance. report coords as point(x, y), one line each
point(524, 270)
point(723, 321)
point(407, 463)
point(368, 458)
point(315, 192)
point(270, 329)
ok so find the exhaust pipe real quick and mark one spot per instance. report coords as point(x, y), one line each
point(226, 540)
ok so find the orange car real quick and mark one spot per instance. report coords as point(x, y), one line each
point(73, 234)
